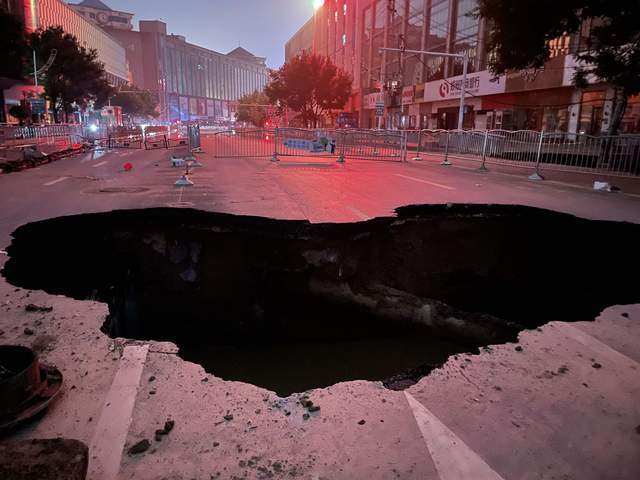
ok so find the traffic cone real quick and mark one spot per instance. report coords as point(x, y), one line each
point(184, 181)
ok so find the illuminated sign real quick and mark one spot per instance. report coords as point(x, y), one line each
point(478, 84)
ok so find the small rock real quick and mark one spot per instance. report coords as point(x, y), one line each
point(152, 378)
point(361, 422)
point(140, 447)
point(28, 331)
point(305, 416)
point(205, 380)
point(497, 388)
point(215, 444)
point(518, 348)
point(152, 392)
point(596, 365)
point(1, 332)
point(168, 426)
point(563, 369)
point(625, 315)
point(306, 403)
point(228, 417)
point(159, 435)
point(314, 408)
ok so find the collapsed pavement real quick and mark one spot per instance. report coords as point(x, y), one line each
point(433, 281)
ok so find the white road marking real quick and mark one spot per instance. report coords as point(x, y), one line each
point(453, 459)
point(358, 213)
point(110, 435)
point(53, 182)
point(100, 164)
point(439, 185)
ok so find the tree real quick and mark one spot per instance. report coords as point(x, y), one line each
point(520, 32)
point(311, 85)
point(20, 112)
point(137, 102)
point(76, 77)
point(252, 109)
point(15, 51)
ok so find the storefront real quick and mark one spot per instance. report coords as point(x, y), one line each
point(443, 100)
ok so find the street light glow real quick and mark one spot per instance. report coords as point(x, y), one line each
point(317, 4)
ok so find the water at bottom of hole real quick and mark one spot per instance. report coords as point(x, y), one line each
point(296, 366)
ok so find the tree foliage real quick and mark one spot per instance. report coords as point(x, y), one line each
point(14, 47)
point(520, 32)
point(251, 109)
point(76, 77)
point(137, 102)
point(311, 85)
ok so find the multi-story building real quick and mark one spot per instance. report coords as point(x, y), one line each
point(103, 15)
point(191, 82)
point(423, 90)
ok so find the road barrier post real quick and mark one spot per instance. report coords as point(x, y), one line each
point(417, 158)
point(446, 161)
point(341, 146)
point(536, 175)
point(275, 146)
point(483, 167)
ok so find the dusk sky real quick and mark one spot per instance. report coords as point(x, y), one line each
point(260, 26)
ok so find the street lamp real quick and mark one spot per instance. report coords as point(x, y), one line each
point(465, 64)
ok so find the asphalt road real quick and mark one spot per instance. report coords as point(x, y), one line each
point(317, 189)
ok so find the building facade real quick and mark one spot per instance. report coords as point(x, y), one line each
point(97, 12)
point(423, 90)
point(190, 82)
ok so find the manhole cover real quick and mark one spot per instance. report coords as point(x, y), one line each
point(123, 190)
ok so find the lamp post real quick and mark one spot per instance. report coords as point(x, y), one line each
point(465, 66)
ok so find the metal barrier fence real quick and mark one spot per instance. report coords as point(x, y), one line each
point(611, 155)
point(16, 136)
point(306, 143)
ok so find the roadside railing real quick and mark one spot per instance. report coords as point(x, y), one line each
point(611, 155)
point(17, 136)
point(306, 143)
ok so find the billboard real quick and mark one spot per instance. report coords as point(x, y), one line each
point(478, 84)
point(184, 109)
point(211, 111)
point(202, 107)
point(174, 108)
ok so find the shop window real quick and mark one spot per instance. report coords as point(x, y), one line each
point(591, 111)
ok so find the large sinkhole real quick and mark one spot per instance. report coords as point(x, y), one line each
point(289, 305)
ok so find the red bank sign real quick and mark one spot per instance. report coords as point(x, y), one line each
point(480, 83)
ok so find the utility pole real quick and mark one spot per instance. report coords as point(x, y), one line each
point(465, 66)
point(35, 69)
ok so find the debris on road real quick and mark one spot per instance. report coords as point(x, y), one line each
point(140, 447)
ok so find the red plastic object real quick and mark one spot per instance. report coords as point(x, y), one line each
point(128, 167)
